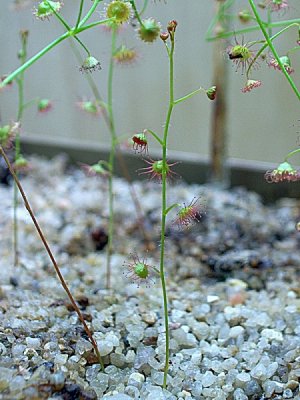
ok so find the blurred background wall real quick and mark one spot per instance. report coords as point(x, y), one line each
point(262, 125)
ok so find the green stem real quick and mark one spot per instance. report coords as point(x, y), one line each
point(291, 153)
point(136, 13)
point(272, 48)
point(188, 95)
point(33, 59)
point(20, 82)
point(277, 24)
point(89, 13)
point(59, 17)
point(50, 46)
point(68, 28)
point(156, 137)
point(79, 13)
point(82, 45)
point(171, 208)
point(93, 24)
point(111, 155)
point(164, 208)
point(144, 7)
point(215, 20)
point(269, 22)
point(266, 45)
point(30, 102)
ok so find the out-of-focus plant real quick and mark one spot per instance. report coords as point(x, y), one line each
point(124, 56)
point(247, 55)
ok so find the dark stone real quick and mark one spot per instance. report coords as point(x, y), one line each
point(13, 281)
point(49, 365)
point(88, 395)
point(71, 391)
point(99, 238)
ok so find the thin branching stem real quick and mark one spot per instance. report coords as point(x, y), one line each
point(53, 260)
point(164, 208)
point(291, 153)
point(47, 48)
point(79, 13)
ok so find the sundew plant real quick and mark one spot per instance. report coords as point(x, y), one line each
point(246, 55)
point(269, 18)
point(112, 15)
point(162, 170)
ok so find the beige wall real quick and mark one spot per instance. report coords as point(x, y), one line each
point(263, 125)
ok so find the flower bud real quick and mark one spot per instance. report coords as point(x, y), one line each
point(172, 26)
point(211, 93)
point(90, 64)
point(164, 36)
point(44, 105)
point(244, 16)
point(90, 106)
point(21, 164)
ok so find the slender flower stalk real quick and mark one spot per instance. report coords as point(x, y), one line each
point(55, 265)
point(170, 52)
point(111, 161)
point(22, 55)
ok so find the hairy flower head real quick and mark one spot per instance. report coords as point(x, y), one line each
point(45, 9)
point(140, 142)
point(250, 85)
point(90, 64)
point(277, 5)
point(125, 56)
point(155, 170)
point(21, 164)
point(149, 31)
point(8, 134)
point(286, 62)
point(139, 272)
point(284, 172)
point(119, 10)
point(241, 55)
point(95, 169)
point(188, 214)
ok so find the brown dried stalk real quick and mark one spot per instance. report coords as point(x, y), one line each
point(55, 265)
